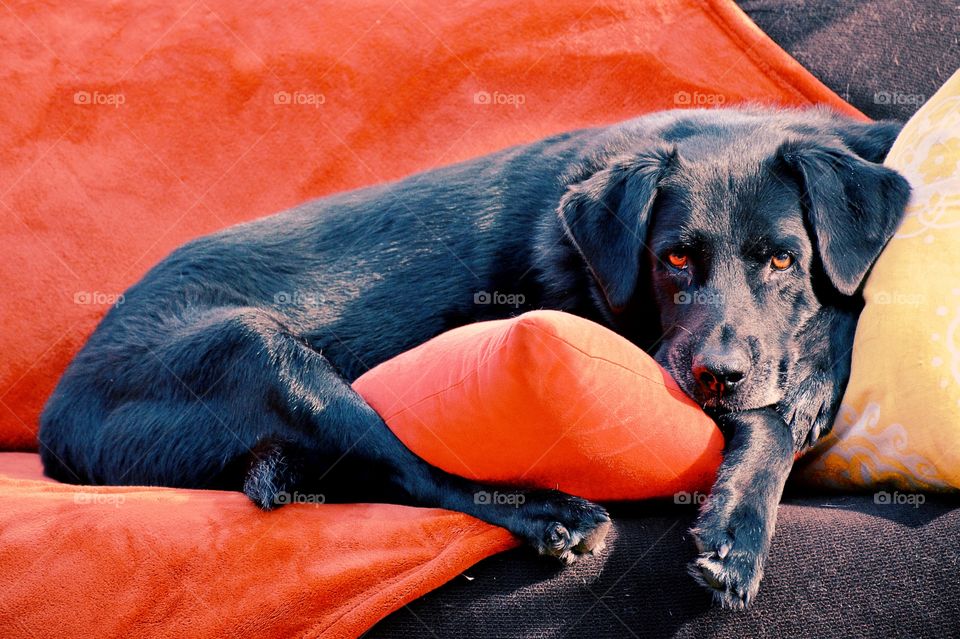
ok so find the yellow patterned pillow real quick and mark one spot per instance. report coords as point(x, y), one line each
point(899, 425)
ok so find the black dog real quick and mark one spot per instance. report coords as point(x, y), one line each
point(729, 244)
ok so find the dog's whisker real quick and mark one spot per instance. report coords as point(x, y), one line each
point(681, 326)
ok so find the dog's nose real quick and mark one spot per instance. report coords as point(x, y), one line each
point(720, 371)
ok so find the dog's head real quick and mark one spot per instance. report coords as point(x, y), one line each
point(740, 225)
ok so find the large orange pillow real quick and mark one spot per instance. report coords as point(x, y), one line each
point(221, 123)
point(551, 400)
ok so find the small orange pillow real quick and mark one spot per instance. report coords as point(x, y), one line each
point(551, 400)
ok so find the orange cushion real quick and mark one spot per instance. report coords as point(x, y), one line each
point(547, 399)
point(95, 561)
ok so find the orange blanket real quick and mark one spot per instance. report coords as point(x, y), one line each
point(131, 127)
point(161, 562)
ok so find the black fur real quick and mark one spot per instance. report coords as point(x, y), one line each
point(228, 365)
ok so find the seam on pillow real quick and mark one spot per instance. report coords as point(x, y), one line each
point(746, 49)
point(807, 89)
point(407, 407)
point(675, 391)
point(473, 371)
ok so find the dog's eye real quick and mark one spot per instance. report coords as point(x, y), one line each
point(677, 260)
point(781, 261)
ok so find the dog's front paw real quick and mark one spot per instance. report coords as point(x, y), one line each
point(564, 526)
point(733, 548)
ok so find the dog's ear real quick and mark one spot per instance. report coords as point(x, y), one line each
point(606, 215)
point(853, 206)
point(869, 140)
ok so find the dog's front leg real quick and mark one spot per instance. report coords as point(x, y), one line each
point(736, 522)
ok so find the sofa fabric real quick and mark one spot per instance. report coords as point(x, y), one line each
point(885, 57)
point(840, 566)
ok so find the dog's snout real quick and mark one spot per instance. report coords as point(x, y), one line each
point(720, 371)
